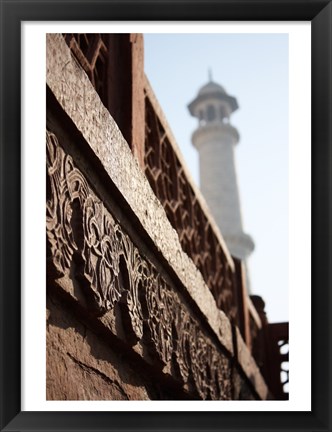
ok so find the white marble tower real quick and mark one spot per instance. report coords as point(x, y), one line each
point(215, 139)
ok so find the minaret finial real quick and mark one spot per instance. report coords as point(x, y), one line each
point(210, 75)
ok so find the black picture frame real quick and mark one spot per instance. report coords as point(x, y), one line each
point(12, 13)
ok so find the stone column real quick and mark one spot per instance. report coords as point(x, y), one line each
point(215, 139)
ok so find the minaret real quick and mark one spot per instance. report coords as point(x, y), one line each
point(215, 139)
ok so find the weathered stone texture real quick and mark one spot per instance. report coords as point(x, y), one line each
point(81, 366)
point(249, 366)
point(241, 388)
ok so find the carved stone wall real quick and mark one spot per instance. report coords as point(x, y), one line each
point(86, 243)
point(117, 269)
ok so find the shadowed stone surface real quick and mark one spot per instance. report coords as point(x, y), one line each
point(82, 367)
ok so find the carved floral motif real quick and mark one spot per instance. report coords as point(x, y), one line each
point(183, 340)
point(135, 270)
point(61, 243)
point(100, 254)
point(159, 304)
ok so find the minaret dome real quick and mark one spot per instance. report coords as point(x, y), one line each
point(212, 104)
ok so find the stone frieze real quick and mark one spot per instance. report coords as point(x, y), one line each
point(84, 241)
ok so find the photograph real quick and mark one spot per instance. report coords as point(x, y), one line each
point(149, 295)
point(183, 154)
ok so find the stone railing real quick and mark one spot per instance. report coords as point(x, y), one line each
point(186, 208)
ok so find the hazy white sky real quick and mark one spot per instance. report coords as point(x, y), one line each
point(254, 69)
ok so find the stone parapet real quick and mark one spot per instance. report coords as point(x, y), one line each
point(187, 210)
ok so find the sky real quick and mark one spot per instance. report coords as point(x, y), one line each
point(254, 69)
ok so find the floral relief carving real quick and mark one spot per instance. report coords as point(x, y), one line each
point(183, 339)
point(100, 255)
point(85, 242)
point(61, 243)
point(158, 309)
point(134, 270)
